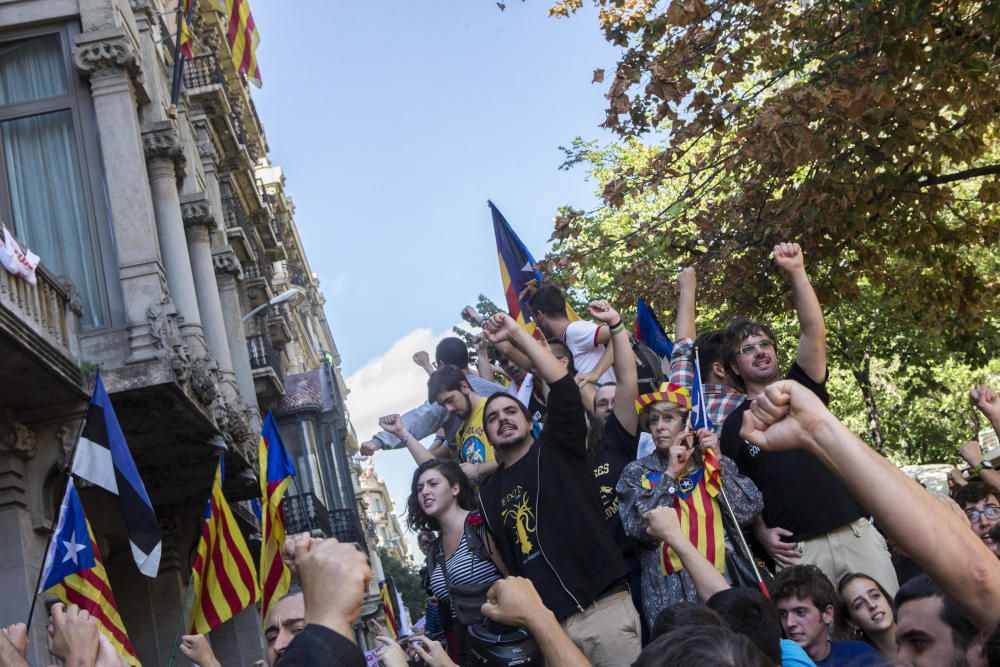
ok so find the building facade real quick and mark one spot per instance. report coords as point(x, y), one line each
point(378, 507)
point(160, 229)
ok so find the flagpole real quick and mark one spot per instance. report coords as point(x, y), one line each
point(180, 618)
point(302, 506)
point(55, 519)
point(722, 489)
point(175, 84)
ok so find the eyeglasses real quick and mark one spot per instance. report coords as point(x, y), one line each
point(990, 512)
point(762, 345)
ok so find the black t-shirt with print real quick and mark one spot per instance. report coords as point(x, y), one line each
point(519, 484)
point(800, 493)
point(620, 448)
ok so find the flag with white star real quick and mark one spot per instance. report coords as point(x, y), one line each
point(74, 573)
point(69, 552)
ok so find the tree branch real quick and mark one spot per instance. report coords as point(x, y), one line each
point(928, 181)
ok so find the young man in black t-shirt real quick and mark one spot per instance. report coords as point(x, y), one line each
point(809, 516)
point(545, 516)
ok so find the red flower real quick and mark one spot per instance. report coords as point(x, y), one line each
point(474, 520)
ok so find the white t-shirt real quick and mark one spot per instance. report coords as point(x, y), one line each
point(581, 339)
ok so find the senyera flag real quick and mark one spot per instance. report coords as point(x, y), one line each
point(102, 458)
point(276, 472)
point(74, 573)
point(243, 38)
point(223, 576)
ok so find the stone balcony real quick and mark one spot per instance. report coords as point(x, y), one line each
point(39, 341)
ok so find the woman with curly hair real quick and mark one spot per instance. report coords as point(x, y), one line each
point(460, 567)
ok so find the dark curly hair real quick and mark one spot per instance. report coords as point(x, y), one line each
point(416, 519)
point(735, 334)
point(806, 582)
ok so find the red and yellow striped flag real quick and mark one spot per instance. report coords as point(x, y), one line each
point(91, 591)
point(243, 37)
point(225, 582)
point(389, 610)
point(186, 48)
point(697, 508)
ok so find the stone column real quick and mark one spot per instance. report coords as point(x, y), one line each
point(108, 58)
point(20, 555)
point(227, 270)
point(164, 157)
point(198, 221)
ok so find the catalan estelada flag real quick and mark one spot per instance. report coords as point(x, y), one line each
point(223, 576)
point(276, 472)
point(74, 573)
point(242, 35)
point(700, 516)
point(697, 508)
point(517, 269)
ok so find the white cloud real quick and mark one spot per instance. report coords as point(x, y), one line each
point(387, 384)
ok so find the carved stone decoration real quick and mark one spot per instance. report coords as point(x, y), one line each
point(203, 139)
point(15, 437)
point(226, 261)
point(66, 436)
point(164, 324)
point(73, 295)
point(162, 140)
point(197, 211)
point(103, 56)
point(202, 378)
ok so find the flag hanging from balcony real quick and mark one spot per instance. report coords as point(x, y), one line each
point(102, 457)
point(243, 37)
point(186, 49)
point(276, 472)
point(223, 576)
point(74, 573)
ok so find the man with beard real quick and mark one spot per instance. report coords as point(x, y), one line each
point(809, 515)
point(427, 418)
point(545, 516)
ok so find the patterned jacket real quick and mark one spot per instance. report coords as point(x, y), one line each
point(659, 591)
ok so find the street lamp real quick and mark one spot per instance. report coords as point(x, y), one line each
point(287, 295)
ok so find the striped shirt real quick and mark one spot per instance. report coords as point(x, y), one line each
point(464, 567)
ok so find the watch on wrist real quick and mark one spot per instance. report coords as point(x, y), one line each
point(982, 464)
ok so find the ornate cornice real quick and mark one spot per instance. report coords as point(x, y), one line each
point(196, 210)
point(114, 53)
point(162, 140)
point(225, 261)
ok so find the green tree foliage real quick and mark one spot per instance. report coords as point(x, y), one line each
point(407, 580)
point(866, 132)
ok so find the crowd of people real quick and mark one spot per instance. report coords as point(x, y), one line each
point(586, 502)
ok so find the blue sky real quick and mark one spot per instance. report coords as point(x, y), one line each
point(394, 123)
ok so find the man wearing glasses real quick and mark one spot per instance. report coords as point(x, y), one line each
point(809, 516)
point(980, 503)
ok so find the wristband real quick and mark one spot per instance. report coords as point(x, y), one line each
point(618, 328)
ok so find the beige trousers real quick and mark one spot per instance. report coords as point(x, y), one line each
point(857, 547)
point(607, 631)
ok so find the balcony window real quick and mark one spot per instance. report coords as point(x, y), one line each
point(45, 185)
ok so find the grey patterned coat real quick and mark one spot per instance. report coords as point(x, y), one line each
point(634, 501)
